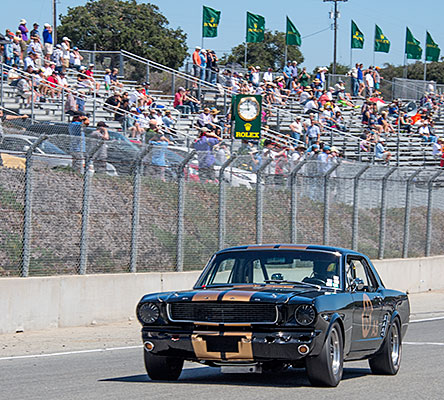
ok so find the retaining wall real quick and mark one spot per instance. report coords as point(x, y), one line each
point(72, 300)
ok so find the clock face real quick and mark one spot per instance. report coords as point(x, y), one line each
point(248, 108)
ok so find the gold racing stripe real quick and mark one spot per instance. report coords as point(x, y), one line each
point(200, 346)
point(237, 295)
point(245, 347)
point(206, 295)
point(293, 247)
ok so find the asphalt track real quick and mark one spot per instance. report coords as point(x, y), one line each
point(118, 373)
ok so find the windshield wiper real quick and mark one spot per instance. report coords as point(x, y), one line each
point(293, 283)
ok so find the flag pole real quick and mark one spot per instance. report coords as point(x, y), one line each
point(374, 52)
point(245, 55)
point(285, 62)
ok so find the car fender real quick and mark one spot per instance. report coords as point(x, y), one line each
point(322, 337)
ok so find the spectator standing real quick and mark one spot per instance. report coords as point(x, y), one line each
point(77, 142)
point(57, 56)
point(304, 77)
point(196, 62)
point(203, 63)
point(294, 70)
point(369, 82)
point(16, 50)
point(158, 161)
point(35, 30)
point(287, 72)
point(23, 30)
point(354, 80)
point(36, 47)
point(47, 41)
point(101, 133)
point(75, 58)
point(204, 146)
point(360, 79)
point(296, 128)
point(377, 78)
point(313, 133)
point(66, 50)
point(268, 76)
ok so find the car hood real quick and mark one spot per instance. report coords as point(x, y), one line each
point(276, 294)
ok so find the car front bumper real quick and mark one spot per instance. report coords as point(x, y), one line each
point(232, 345)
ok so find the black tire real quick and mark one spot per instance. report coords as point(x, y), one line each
point(388, 359)
point(326, 368)
point(162, 368)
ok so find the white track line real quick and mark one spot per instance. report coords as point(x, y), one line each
point(65, 353)
point(424, 343)
point(427, 319)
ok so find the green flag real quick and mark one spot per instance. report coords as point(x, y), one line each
point(432, 49)
point(412, 46)
point(292, 37)
point(357, 37)
point(210, 22)
point(382, 44)
point(255, 28)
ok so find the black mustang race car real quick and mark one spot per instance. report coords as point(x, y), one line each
point(258, 308)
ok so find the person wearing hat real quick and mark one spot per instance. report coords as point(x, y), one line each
point(57, 57)
point(99, 134)
point(168, 120)
point(304, 77)
point(23, 30)
point(205, 157)
point(381, 153)
point(305, 95)
point(204, 119)
point(35, 30)
point(317, 88)
point(287, 71)
point(107, 79)
point(36, 47)
point(66, 50)
point(203, 63)
point(324, 160)
point(196, 61)
point(47, 41)
point(179, 99)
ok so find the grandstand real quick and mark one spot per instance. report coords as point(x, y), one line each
point(407, 150)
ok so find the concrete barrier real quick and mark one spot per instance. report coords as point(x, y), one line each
point(63, 301)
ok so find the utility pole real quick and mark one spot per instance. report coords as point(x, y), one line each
point(335, 17)
point(54, 22)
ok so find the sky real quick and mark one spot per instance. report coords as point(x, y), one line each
point(309, 16)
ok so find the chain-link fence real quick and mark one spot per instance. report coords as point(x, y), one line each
point(80, 204)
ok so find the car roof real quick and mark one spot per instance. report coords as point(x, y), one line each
point(20, 136)
point(289, 246)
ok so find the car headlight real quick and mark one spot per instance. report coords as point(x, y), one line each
point(305, 314)
point(148, 313)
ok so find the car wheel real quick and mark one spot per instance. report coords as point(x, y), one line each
point(326, 368)
point(162, 368)
point(388, 359)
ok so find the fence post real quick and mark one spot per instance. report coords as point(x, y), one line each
point(429, 212)
point(294, 201)
point(222, 208)
point(327, 175)
point(398, 143)
point(405, 244)
point(181, 210)
point(278, 120)
point(121, 64)
point(173, 84)
point(85, 210)
point(225, 102)
point(63, 104)
point(1, 84)
point(136, 203)
point(148, 71)
point(259, 202)
point(94, 107)
point(32, 99)
point(383, 213)
point(27, 209)
point(355, 218)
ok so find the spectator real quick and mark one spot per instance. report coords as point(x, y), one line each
point(47, 41)
point(35, 30)
point(23, 30)
point(360, 80)
point(16, 50)
point(310, 106)
point(321, 76)
point(405, 122)
point(168, 120)
point(203, 63)
point(287, 72)
point(101, 133)
point(75, 58)
point(90, 74)
point(313, 133)
point(77, 142)
point(114, 78)
point(158, 161)
point(437, 149)
point(204, 120)
point(268, 76)
point(66, 50)
point(29, 61)
point(381, 153)
point(325, 160)
point(204, 146)
point(36, 47)
point(426, 133)
point(71, 107)
point(8, 53)
point(135, 128)
point(196, 62)
point(369, 82)
point(354, 80)
point(294, 70)
point(296, 128)
point(377, 78)
point(304, 77)
point(57, 56)
point(107, 79)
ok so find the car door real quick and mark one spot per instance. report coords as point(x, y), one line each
point(367, 304)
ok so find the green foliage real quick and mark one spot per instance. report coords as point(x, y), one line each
point(340, 69)
point(435, 71)
point(269, 53)
point(117, 24)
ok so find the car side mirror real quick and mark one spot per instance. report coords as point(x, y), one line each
point(357, 284)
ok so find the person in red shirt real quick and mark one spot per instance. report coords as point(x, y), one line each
point(90, 74)
point(179, 98)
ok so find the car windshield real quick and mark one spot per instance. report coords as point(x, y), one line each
point(274, 266)
point(49, 148)
point(122, 140)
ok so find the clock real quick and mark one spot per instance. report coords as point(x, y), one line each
point(248, 108)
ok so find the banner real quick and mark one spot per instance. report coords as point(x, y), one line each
point(255, 28)
point(292, 37)
point(210, 22)
point(432, 49)
point(357, 37)
point(412, 46)
point(382, 44)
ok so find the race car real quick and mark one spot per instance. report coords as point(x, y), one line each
point(258, 308)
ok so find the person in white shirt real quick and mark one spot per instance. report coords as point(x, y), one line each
point(256, 76)
point(66, 49)
point(296, 128)
point(437, 149)
point(268, 76)
point(369, 83)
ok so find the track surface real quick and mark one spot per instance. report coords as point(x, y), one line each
point(119, 374)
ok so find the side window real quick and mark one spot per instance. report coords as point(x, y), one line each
point(357, 269)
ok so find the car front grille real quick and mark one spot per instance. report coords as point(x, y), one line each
point(223, 313)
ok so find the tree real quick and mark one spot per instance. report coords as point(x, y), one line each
point(116, 24)
point(435, 71)
point(269, 53)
